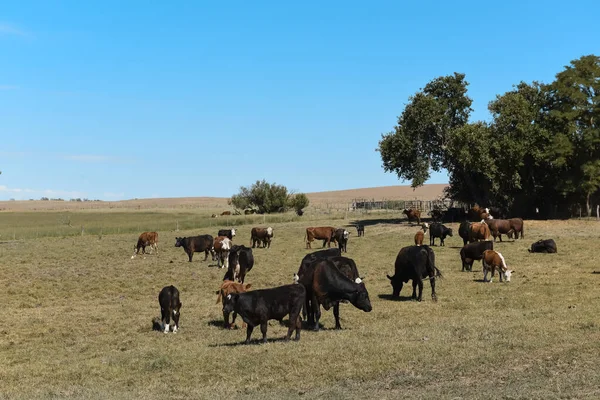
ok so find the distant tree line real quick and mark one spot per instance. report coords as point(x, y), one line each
point(541, 149)
point(264, 197)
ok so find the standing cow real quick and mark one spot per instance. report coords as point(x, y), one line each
point(221, 247)
point(228, 287)
point(474, 251)
point(439, 231)
point(518, 226)
point(196, 244)
point(240, 262)
point(261, 235)
point(146, 239)
point(324, 233)
point(479, 231)
point(168, 299)
point(492, 260)
point(360, 230)
point(415, 263)
point(341, 237)
point(499, 227)
point(228, 233)
point(413, 214)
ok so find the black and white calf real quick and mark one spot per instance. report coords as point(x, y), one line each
point(228, 233)
point(168, 298)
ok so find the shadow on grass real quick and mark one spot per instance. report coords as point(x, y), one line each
point(253, 341)
point(392, 298)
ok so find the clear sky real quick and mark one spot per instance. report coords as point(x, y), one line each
point(124, 99)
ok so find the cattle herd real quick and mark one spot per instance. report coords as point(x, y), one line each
point(325, 277)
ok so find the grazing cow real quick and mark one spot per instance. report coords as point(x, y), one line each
point(474, 251)
point(341, 237)
point(517, 226)
point(324, 233)
point(492, 260)
point(360, 230)
point(416, 263)
point(463, 231)
point(221, 247)
point(228, 233)
point(146, 239)
point(168, 298)
point(327, 285)
point(479, 231)
point(543, 246)
point(196, 244)
point(228, 287)
point(413, 214)
point(498, 227)
point(240, 262)
point(438, 230)
point(259, 306)
point(420, 235)
point(261, 235)
point(226, 213)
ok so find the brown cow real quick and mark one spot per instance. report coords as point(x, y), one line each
point(261, 235)
point(477, 213)
point(517, 226)
point(498, 227)
point(228, 287)
point(221, 246)
point(226, 213)
point(413, 214)
point(492, 260)
point(146, 239)
point(320, 233)
point(479, 231)
point(421, 234)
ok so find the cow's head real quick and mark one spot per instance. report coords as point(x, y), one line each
point(296, 278)
point(178, 241)
point(232, 232)
point(346, 234)
point(360, 298)
point(425, 226)
point(270, 231)
point(449, 232)
point(229, 302)
point(396, 285)
point(507, 274)
point(487, 210)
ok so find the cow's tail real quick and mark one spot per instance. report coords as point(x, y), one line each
point(522, 230)
point(218, 297)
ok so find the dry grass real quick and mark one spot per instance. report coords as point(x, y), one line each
point(77, 318)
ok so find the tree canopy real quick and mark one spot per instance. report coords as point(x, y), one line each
point(541, 148)
point(267, 197)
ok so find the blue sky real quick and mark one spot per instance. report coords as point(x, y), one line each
point(124, 99)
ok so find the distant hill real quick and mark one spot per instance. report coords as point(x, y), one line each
point(425, 192)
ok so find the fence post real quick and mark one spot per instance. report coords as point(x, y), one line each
point(598, 213)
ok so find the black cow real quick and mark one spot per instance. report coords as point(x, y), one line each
point(168, 298)
point(360, 230)
point(317, 255)
point(327, 285)
point(440, 231)
point(474, 251)
point(454, 214)
point(241, 262)
point(229, 233)
point(196, 244)
point(416, 263)
point(259, 306)
point(341, 237)
point(463, 231)
point(543, 246)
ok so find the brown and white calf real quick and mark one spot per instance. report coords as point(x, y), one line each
point(492, 260)
point(421, 234)
point(146, 239)
point(221, 247)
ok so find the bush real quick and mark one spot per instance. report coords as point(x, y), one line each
point(298, 202)
point(266, 197)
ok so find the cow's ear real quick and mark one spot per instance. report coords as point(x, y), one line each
point(389, 277)
point(248, 286)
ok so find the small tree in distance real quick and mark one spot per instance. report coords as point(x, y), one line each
point(298, 202)
point(267, 197)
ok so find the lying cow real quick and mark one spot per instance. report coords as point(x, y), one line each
point(543, 246)
point(439, 231)
point(259, 306)
point(412, 214)
point(228, 287)
point(196, 244)
point(261, 235)
point(324, 233)
point(168, 299)
point(492, 260)
point(146, 239)
point(415, 263)
point(226, 213)
point(341, 237)
point(221, 247)
point(228, 233)
point(474, 251)
point(327, 285)
point(240, 262)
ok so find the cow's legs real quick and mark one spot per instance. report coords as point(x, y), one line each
point(484, 273)
point(175, 321)
point(420, 283)
point(336, 314)
point(316, 310)
point(226, 319)
point(432, 281)
point(249, 329)
point(414, 293)
point(190, 255)
point(166, 319)
point(263, 329)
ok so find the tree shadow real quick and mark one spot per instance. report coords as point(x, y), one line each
point(392, 298)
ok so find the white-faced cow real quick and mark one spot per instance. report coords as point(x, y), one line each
point(221, 247)
point(146, 239)
point(257, 307)
point(196, 244)
point(415, 263)
point(168, 299)
point(240, 262)
point(261, 235)
point(228, 233)
point(492, 260)
point(341, 237)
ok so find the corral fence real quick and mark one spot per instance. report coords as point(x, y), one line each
point(364, 206)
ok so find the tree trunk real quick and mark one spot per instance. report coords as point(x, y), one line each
point(587, 204)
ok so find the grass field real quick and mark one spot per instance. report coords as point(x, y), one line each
point(77, 318)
